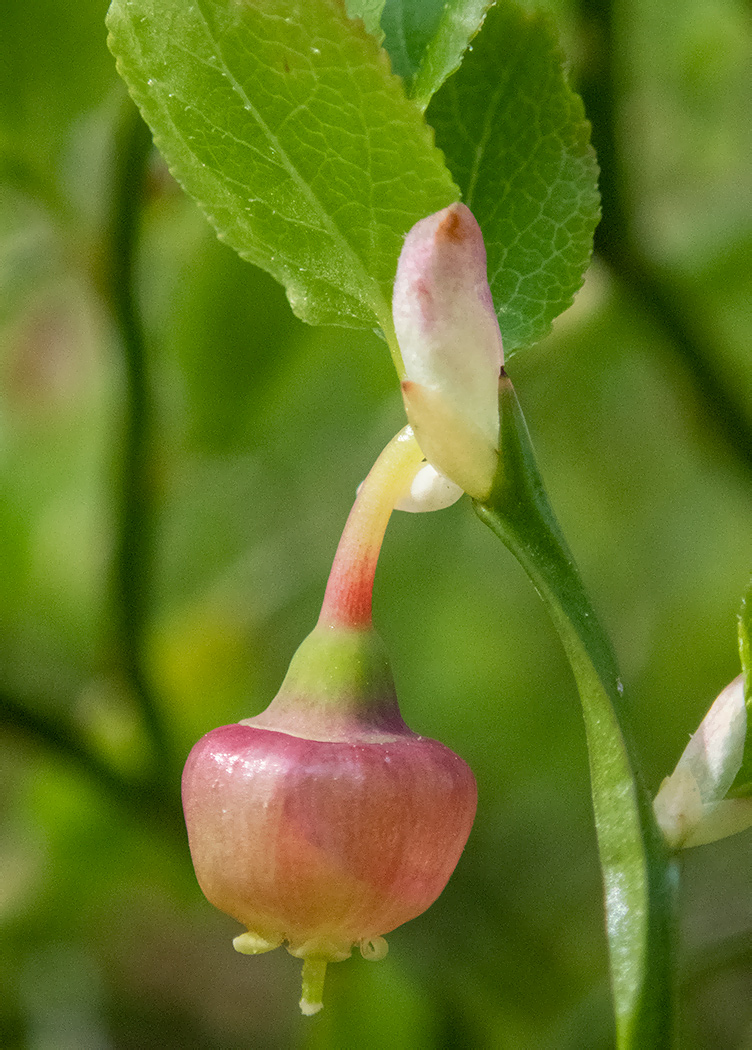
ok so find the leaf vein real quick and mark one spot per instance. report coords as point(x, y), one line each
point(369, 287)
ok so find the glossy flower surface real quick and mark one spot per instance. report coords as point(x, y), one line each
point(324, 844)
point(325, 822)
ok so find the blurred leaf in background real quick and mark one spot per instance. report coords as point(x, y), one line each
point(263, 428)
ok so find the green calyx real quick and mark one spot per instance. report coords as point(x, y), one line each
point(339, 686)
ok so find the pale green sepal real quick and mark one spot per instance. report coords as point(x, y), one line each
point(336, 662)
point(338, 686)
point(321, 949)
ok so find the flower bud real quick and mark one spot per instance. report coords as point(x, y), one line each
point(325, 822)
point(690, 807)
point(451, 347)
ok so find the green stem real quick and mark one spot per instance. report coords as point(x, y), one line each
point(135, 502)
point(639, 877)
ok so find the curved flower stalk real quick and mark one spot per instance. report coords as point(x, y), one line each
point(325, 822)
point(691, 806)
point(451, 347)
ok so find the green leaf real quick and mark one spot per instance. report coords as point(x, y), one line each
point(370, 12)
point(409, 26)
point(283, 120)
point(426, 40)
point(743, 781)
point(638, 877)
point(516, 140)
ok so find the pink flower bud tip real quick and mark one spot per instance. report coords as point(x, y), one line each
point(324, 843)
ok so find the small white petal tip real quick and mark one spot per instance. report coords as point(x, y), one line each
point(429, 490)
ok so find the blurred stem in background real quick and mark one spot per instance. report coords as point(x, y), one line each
point(60, 735)
point(134, 505)
point(154, 792)
point(716, 397)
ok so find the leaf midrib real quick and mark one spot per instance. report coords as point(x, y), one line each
point(365, 280)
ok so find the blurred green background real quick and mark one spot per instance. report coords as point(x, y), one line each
point(640, 406)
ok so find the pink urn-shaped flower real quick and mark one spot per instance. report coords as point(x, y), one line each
point(325, 822)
